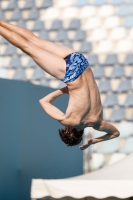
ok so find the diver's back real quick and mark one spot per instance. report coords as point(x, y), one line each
point(84, 98)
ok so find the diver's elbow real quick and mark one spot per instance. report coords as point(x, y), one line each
point(117, 134)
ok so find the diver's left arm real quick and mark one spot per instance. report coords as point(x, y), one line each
point(46, 104)
point(104, 126)
point(112, 132)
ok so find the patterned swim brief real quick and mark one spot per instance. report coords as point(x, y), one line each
point(76, 63)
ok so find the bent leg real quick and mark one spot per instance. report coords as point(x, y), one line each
point(57, 49)
point(50, 63)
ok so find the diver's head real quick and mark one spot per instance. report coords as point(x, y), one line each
point(71, 136)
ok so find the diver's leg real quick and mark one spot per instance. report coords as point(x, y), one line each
point(52, 64)
point(57, 49)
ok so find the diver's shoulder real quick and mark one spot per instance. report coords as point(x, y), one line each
point(69, 121)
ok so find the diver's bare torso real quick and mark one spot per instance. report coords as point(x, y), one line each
point(84, 106)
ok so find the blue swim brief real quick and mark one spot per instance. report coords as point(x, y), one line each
point(76, 63)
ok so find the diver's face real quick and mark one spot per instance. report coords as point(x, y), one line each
point(67, 129)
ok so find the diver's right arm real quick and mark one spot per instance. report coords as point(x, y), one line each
point(53, 95)
point(46, 104)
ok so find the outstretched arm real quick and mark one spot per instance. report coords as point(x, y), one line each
point(104, 126)
point(46, 104)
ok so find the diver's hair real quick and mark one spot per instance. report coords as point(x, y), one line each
point(72, 137)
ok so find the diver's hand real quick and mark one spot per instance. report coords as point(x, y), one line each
point(86, 145)
point(65, 90)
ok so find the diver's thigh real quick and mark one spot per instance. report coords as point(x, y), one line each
point(54, 48)
point(50, 63)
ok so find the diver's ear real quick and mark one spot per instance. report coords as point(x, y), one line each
point(67, 129)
